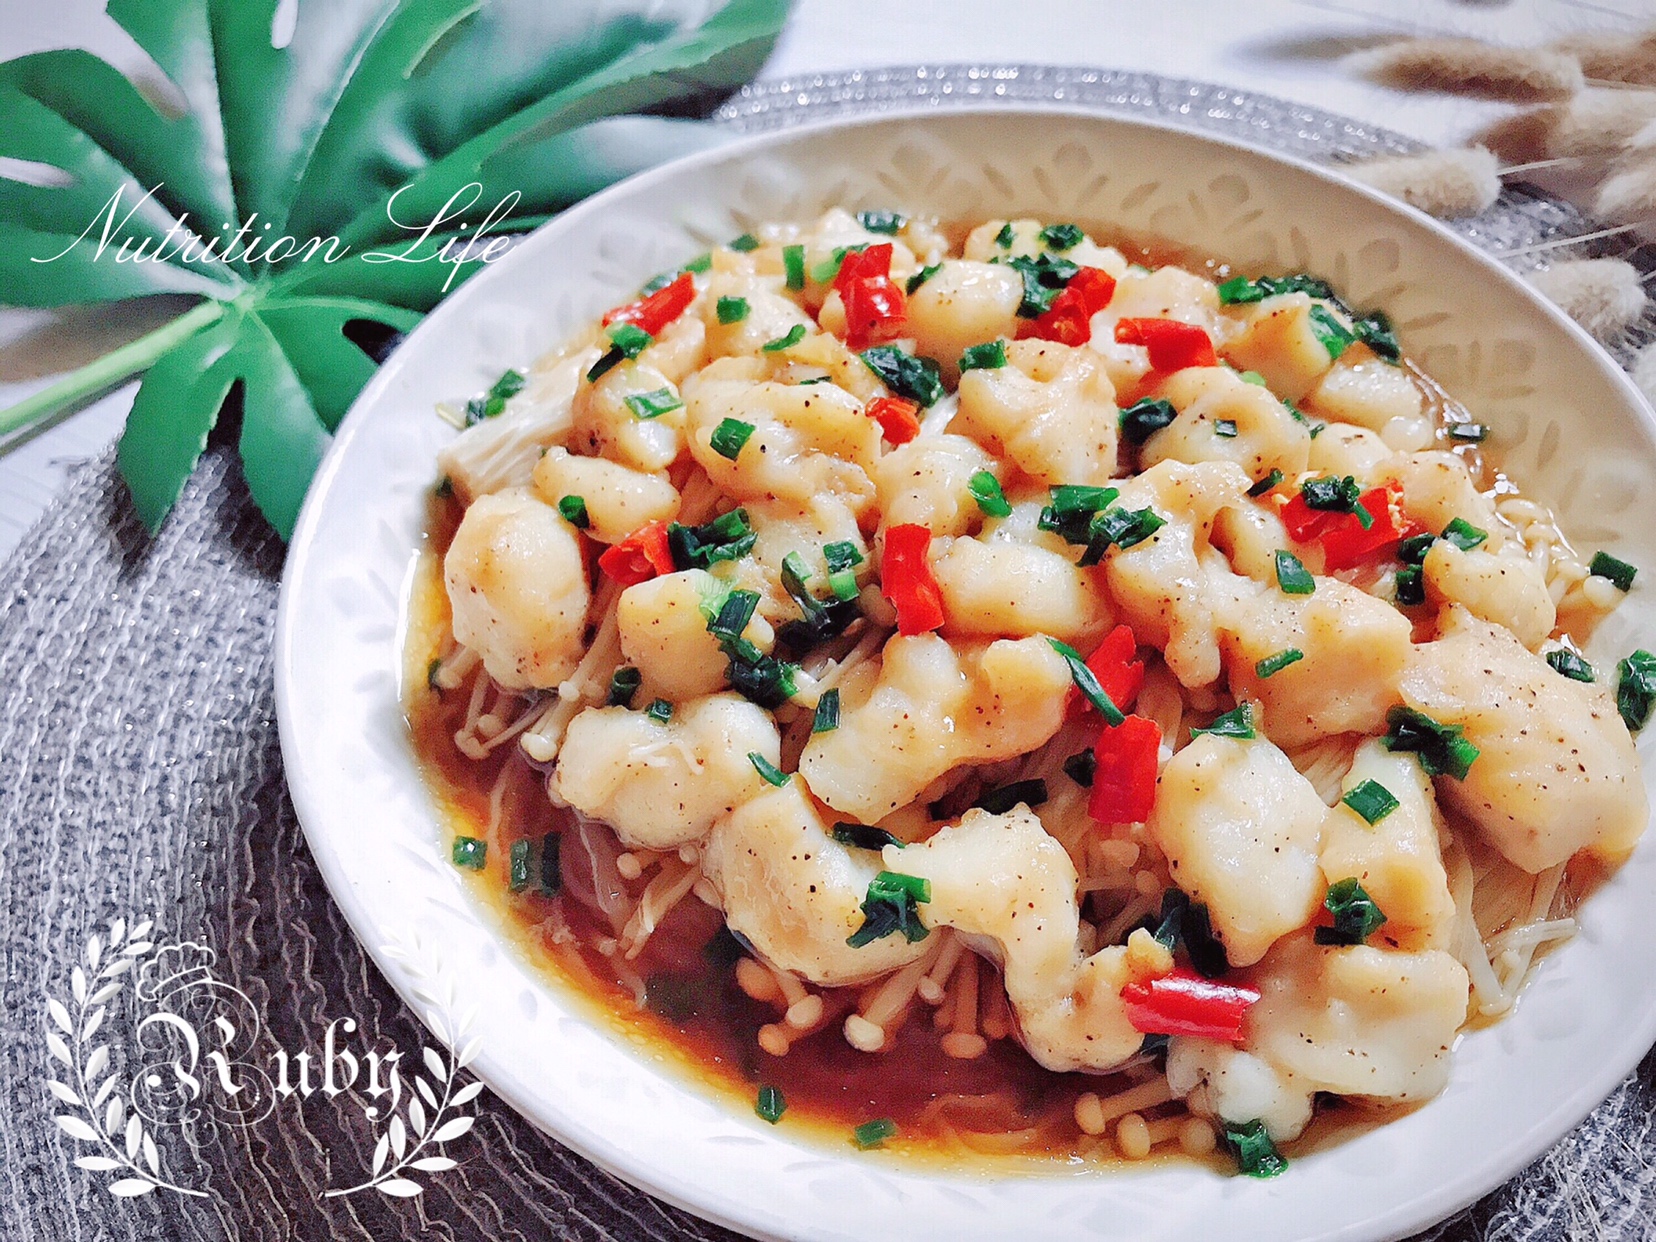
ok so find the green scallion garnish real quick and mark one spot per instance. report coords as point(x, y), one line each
point(1006, 236)
point(1616, 570)
point(494, 401)
point(826, 719)
point(1256, 1155)
point(1441, 748)
point(623, 685)
point(891, 906)
point(1271, 665)
point(1123, 528)
point(874, 1133)
point(887, 222)
point(1072, 510)
point(470, 853)
point(864, 836)
point(1236, 723)
point(574, 511)
point(701, 263)
point(659, 710)
point(654, 404)
point(1266, 484)
point(1143, 419)
point(1081, 767)
point(1336, 338)
point(729, 436)
point(1636, 688)
point(745, 243)
point(770, 1104)
point(1356, 917)
point(1061, 236)
point(1225, 427)
point(1002, 799)
point(921, 277)
point(1044, 278)
point(842, 559)
point(1372, 800)
point(731, 310)
point(906, 375)
point(792, 337)
point(1087, 683)
point(989, 356)
point(728, 537)
point(1292, 575)
point(1464, 535)
point(986, 490)
point(1468, 433)
point(793, 266)
point(768, 771)
point(1568, 663)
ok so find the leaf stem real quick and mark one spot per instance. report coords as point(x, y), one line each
point(104, 373)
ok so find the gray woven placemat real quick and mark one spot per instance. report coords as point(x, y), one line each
point(140, 776)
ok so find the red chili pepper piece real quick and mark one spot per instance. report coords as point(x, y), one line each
point(906, 579)
point(1184, 1003)
point(898, 417)
point(1124, 777)
point(862, 264)
point(875, 310)
point(1173, 345)
point(640, 556)
point(1344, 542)
point(655, 312)
point(1121, 676)
point(1069, 320)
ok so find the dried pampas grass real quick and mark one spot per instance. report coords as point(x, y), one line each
point(1446, 184)
point(1465, 66)
point(1596, 124)
point(1613, 58)
point(1602, 295)
point(1629, 193)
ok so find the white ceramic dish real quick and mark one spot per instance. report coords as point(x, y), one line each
point(1565, 421)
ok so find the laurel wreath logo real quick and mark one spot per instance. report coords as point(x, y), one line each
point(107, 1107)
point(94, 1089)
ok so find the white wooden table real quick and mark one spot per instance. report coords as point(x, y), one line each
point(1289, 48)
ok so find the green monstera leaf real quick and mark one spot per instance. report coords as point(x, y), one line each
point(336, 124)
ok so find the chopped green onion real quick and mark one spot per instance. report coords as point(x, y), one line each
point(824, 272)
point(494, 401)
point(657, 282)
point(654, 404)
point(1331, 494)
point(921, 277)
point(873, 1133)
point(1237, 723)
point(444, 488)
point(986, 490)
point(842, 559)
point(521, 865)
point(1356, 917)
point(535, 862)
point(1266, 484)
point(574, 512)
point(1240, 289)
point(623, 685)
point(1080, 767)
point(887, 222)
point(745, 243)
point(1464, 535)
point(892, 906)
point(1072, 510)
point(729, 436)
point(629, 338)
point(470, 853)
point(659, 710)
point(1125, 528)
point(1237, 290)
point(731, 310)
point(1061, 236)
point(1618, 571)
point(826, 719)
point(728, 537)
point(1372, 800)
point(1225, 427)
point(1468, 433)
point(734, 615)
point(1571, 665)
point(1256, 1155)
point(1044, 278)
point(793, 265)
point(793, 336)
point(1271, 665)
point(794, 575)
point(1087, 683)
point(1006, 236)
point(770, 1105)
point(1374, 329)
point(1636, 688)
point(1292, 575)
point(1254, 378)
point(864, 836)
point(760, 678)
point(701, 263)
point(1413, 550)
point(771, 774)
point(432, 670)
point(1142, 419)
point(1000, 801)
point(905, 374)
point(1333, 334)
point(1442, 749)
point(1411, 586)
point(989, 356)
point(1185, 921)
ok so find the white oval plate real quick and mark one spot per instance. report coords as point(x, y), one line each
point(1566, 422)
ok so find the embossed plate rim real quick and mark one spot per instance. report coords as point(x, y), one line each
point(659, 1162)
